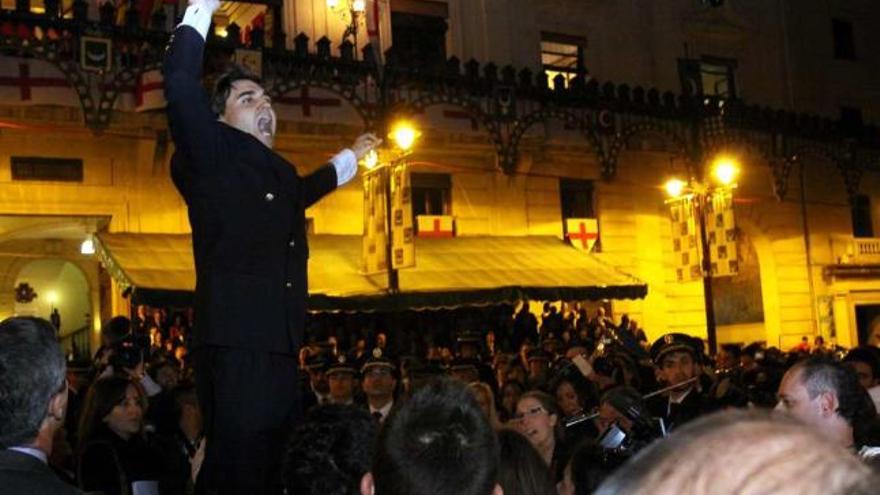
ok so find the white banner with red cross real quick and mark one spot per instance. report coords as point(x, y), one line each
point(314, 104)
point(34, 82)
point(582, 232)
point(436, 225)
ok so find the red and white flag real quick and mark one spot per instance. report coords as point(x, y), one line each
point(149, 92)
point(34, 82)
point(582, 232)
point(436, 225)
point(374, 31)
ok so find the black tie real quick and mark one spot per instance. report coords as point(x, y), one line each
point(377, 416)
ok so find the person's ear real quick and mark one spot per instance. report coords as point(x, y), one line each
point(498, 490)
point(828, 404)
point(367, 486)
point(58, 406)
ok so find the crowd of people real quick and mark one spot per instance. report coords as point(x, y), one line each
point(567, 404)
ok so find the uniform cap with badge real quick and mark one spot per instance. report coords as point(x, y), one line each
point(342, 365)
point(673, 342)
point(378, 360)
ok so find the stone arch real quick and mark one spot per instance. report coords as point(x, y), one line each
point(750, 225)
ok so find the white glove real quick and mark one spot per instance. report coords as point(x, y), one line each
point(199, 14)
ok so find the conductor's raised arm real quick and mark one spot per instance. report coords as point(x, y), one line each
point(193, 125)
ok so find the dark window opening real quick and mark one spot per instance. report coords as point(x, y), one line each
point(431, 195)
point(562, 54)
point(708, 76)
point(851, 119)
point(862, 222)
point(48, 169)
point(844, 40)
point(576, 198)
point(418, 33)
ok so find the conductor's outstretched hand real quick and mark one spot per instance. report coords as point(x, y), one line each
point(211, 5)
point(364, 143)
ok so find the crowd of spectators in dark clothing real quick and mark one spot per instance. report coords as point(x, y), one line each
point(567, 403)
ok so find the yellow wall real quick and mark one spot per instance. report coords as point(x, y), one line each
point(127, 180)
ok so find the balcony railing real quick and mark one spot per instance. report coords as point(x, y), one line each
point(856, 251)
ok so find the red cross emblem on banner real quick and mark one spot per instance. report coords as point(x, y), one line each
point(25, 82)
point(307, 102)
point(582, 232)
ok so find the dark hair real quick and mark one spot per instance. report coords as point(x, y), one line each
point(116, 328)
point(585, 390)
point(439, 442)
point(223, 86)
point(32, 370)
point(103, 396)
point(589, 467)
point(330, 452)
point(521, 470)
point(547, 401)
point(820, 375)
point(733, 349)
point(865, 355)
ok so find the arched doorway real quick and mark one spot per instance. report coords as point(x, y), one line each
point(738, 299)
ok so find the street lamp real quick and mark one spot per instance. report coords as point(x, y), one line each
point(725, 169)
point(380, 165)
point(351, 11)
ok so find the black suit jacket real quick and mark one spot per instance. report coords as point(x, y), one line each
point(21, 474)
point(247, 211)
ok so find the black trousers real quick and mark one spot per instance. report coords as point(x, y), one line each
point(249, 402)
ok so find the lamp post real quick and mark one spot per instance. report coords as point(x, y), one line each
point(403, 135)
point(354, 10)
point(725, 170)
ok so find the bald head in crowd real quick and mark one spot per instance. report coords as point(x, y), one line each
point(742, 453)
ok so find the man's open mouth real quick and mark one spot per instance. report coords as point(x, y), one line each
point(264, 124)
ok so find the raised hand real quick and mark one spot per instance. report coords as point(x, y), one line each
point(364, 143)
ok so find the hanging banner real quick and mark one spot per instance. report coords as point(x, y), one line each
point(403, 248)
point(375, 240)
point(582, 233)
point(721, 232)
point(685, 247)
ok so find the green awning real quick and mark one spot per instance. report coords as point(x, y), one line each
point(461, 271)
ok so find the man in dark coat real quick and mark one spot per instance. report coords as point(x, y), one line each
point(247, 212)
point(675, 356)
point(33, 400)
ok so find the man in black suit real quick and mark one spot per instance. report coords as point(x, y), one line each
point(675, 356)
point(33, 400)
point(247, 212)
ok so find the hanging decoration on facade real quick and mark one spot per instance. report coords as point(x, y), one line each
point(721, 232)
point(684, 240)
point(96, 54)
point(24, 293)
point(582, 233)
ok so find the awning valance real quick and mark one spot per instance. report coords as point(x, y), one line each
point(461, 271)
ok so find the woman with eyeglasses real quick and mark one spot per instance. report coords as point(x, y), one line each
point(537, 419)
point(114, 456)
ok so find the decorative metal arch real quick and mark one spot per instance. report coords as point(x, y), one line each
point(366, 111)
point(621, 139)
point(48, 51)
point(122, 79)
point(508, 148)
